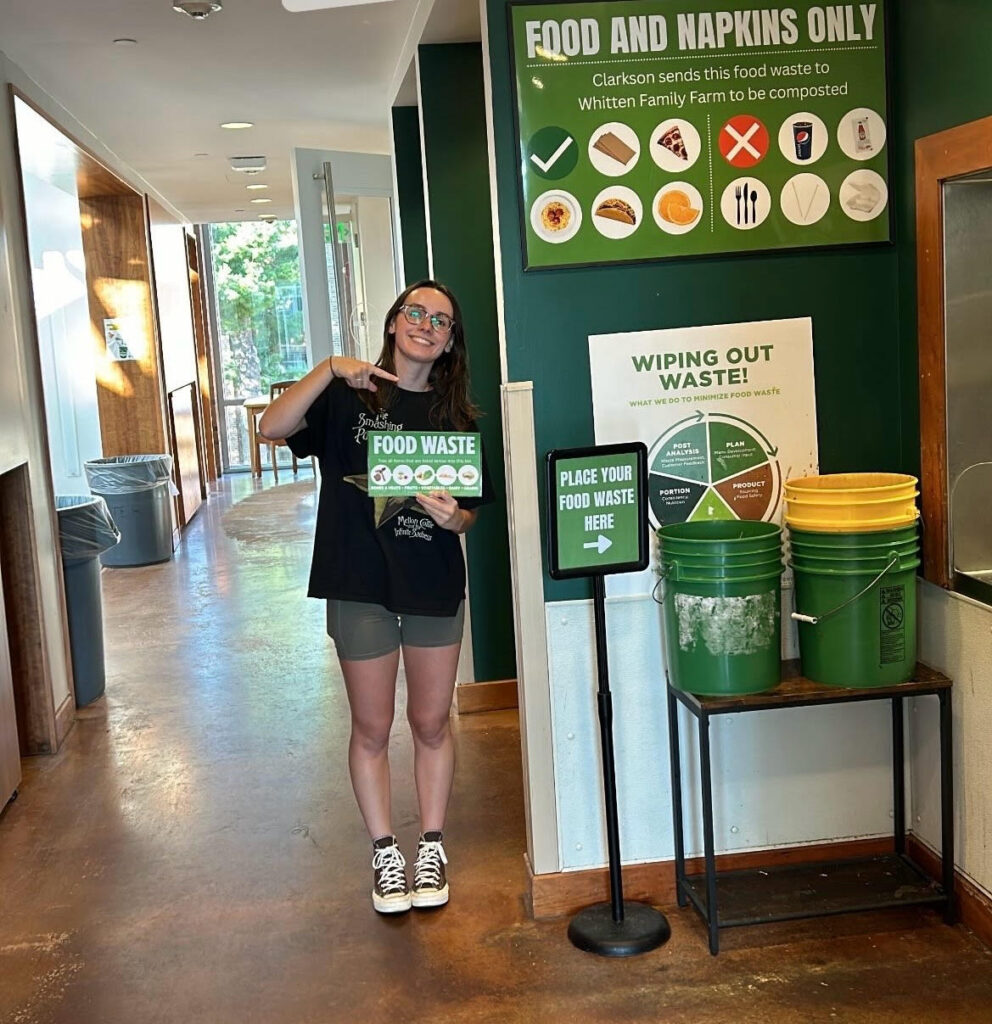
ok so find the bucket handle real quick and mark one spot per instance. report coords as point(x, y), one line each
point(662, 576)
point(815, 620)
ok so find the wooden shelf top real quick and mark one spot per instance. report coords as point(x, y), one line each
point(795, 690)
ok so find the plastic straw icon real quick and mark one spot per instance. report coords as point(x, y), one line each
point(799, 205)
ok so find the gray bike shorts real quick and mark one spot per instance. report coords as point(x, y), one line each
point(362, 631)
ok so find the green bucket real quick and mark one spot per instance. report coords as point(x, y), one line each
point(874, 565)
point(701, 560)
point(838, 543)
point(857, 619)
point(678, 569)
point(723, 537)
point(721, 608)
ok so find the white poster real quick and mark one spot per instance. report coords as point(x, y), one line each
point(728, 413)
point(123, 336)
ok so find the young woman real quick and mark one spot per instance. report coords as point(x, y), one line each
point(391, 581)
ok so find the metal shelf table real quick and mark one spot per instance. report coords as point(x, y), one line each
point(758, 896)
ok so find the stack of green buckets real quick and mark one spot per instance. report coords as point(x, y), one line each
point(721, 594)
point(855, 550)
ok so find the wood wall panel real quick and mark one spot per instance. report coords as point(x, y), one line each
point(34, 703)
point(187, 470)
point(948, 154)
point(10, 752)
point(118, 279)
point(210, 457)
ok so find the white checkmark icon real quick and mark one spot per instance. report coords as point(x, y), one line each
point(546, 165)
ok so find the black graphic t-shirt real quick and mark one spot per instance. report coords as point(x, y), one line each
point(409, 564)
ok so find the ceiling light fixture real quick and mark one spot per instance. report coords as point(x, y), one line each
point(236, 125)
point(254, 188)
point(125, 41)
point(257, 201)
point(267, 217)
point(197, 9)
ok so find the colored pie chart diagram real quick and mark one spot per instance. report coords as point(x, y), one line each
point(712, 466)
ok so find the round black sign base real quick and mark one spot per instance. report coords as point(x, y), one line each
point(642, 929)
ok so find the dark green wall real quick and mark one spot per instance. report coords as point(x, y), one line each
point(410, 192)
point(851, 296)
point(941, 78)
point(457, 157)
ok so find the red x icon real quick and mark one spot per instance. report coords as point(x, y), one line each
point(743, 141)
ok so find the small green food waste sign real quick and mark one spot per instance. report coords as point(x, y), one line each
point(650, 129)
point(403, 462)
point(596, 510)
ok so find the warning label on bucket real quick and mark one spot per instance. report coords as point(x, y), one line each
point(892, 636)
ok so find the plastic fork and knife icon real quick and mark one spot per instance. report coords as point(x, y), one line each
point(752, 196)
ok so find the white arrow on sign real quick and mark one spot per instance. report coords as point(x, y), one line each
point(600, 544)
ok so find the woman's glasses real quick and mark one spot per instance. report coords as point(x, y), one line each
point(416, 315)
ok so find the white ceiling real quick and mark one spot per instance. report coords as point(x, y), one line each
point(321, 79)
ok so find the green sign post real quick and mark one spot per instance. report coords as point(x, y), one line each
point(650, 129)
point(597, 524)
point(597, 510)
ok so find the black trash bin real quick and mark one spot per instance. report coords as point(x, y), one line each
point(85, 531)
point(138, 492)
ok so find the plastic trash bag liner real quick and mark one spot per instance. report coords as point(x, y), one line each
point(124, 474)
point(86, 528)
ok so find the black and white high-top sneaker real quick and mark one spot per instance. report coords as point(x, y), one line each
point(390, 892)
point(430, 887)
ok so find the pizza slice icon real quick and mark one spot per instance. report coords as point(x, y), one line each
point(672, 141)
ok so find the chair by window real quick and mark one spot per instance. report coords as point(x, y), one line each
point(275, 390)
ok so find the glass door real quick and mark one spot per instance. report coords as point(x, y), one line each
point(257, 319)
point(361, 268)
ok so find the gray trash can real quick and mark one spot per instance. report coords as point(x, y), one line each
point(85, 531)
point(138, 492)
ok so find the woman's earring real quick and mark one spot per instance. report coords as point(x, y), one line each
point(448, 347)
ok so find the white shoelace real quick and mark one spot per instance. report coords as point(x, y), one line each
point(427, 870)
point(389, 863)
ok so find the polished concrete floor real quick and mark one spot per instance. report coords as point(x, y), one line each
point(193, 854)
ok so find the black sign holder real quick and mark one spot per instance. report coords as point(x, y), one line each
point(618, 928)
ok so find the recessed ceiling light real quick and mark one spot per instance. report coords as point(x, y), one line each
point(267, 216)
point(197, 9)
point(201, 154)
point(240, 210)
point(254, 188)
point(125, 41)
point(260, 200)
point(234, 125)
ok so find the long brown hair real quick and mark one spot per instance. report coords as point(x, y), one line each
point(449, 376)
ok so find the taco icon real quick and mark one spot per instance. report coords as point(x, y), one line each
point(468, 476)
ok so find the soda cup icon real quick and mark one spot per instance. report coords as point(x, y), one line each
point(802, 134)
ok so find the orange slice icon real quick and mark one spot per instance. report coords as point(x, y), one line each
point(676, 207)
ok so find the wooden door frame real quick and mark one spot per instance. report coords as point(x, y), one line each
point(957, 151)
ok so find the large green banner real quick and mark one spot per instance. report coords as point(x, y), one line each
point(652, 129)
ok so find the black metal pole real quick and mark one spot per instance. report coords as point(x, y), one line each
point(898, 777)
point(709, 855)
point(604, 699)
point(613, 929)
point(675, 763)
